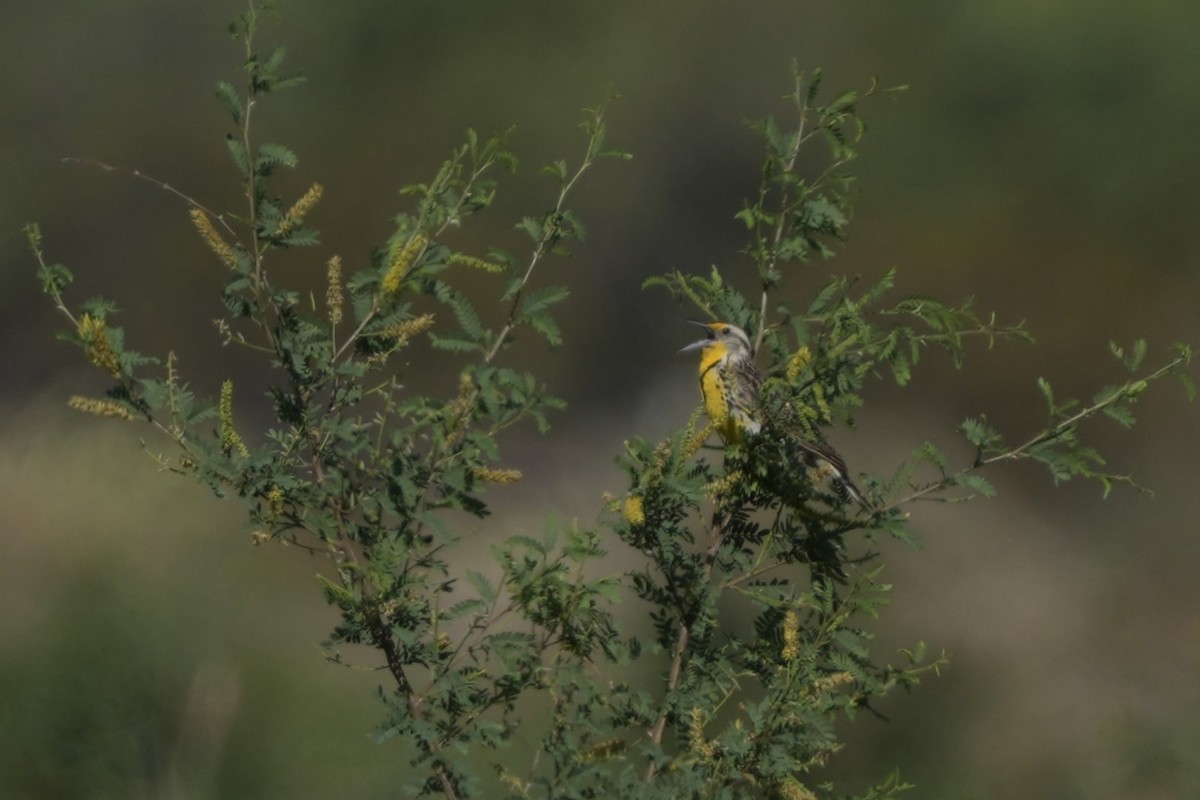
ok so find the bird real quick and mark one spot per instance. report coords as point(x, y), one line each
point(731, 386)
point(729, 382)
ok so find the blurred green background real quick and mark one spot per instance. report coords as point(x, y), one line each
point(1045, 160)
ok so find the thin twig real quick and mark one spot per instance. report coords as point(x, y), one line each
point(1022, 450)
point(137, 173)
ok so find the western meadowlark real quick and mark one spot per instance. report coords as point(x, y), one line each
point(731, 386)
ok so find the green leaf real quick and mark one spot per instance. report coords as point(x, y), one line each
point(275, 59)
point(301, 237)
point(1122, 413)
point(533, 227)
point(547, 327)
point(487, 591)
point(288, 82)
point(556, 170)
point(819, 215)
point(901, 370)
point(468, 318)
point(1136, 355)
point(521, 540)
point(1189, 386)
point(749, 216)
point(976, 483)
point(844, 101)
point(271, 155)
point(1048, 393)
point(99, 308)
point(541, 299)
point(55, 278)
point(229, 98)
point(928, 452)
point(453, 343)
point(823, 298)
point(814, 86)
point(979, 433)
point(238, 152)
point(465, 607)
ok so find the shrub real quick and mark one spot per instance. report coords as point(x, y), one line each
point(758, 584)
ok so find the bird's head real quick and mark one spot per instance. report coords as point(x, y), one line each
point(724, 336)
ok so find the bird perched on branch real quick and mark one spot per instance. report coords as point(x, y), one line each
point(732, 386)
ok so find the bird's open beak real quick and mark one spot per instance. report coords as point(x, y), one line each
point(707, 340)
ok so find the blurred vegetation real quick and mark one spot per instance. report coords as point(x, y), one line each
point(1042, 161)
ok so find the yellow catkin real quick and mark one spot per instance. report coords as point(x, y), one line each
point(724, 485)
point(805, 415)
point(212, 237)
point(493, 475)
point(833, 681)
point(401, 258)
point(797, 362)
point(334, 298)
point(821, 403)
point(603, 751)
point(388, 609)
point(475, 263)
point(230, 441)
point(791, 636)
point(694, 439)
point(701, 746)
point(172, 383)
point(792, 789)
point(406, 329)
point(295, 215)
point(96, 345)
point(274, 498)
point(693, 444)
point(456, 411)
point(101, 408)
point(634, 510)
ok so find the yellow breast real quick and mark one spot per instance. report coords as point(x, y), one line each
point(712, 387)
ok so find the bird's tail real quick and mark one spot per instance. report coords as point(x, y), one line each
point(827, 463)
point(848, 492)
